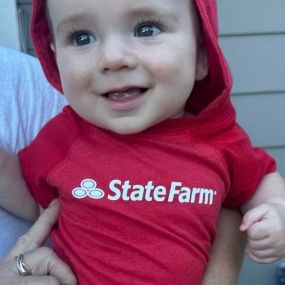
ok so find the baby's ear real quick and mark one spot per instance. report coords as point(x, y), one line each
point(202, 65)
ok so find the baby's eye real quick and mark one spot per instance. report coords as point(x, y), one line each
point(147, 30)
point(83, 38)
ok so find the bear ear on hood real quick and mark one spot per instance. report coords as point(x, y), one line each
point(206, 94)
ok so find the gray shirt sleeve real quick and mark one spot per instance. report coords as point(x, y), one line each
point(28, 101)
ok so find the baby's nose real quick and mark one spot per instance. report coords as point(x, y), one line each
point(116, 54)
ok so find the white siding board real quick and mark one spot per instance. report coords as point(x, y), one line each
point(250, 17)
point(263, 117)
point(257, 62)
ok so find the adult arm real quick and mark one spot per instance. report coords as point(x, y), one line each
point(13, 189)
point(46, 267)
point(227, 251)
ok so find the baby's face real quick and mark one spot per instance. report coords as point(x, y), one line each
point(126, 65)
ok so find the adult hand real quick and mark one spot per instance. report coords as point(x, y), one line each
point(44, 264)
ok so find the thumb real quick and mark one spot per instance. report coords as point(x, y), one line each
point(38, 233)
point(252, 216)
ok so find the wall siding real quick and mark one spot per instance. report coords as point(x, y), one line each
point(252, 35)
point(257, 62)
point(250, 17)
point(263, 116)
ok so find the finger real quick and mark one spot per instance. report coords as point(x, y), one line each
point(36, 280)
point(262, 253)
point(260, 244)
point(43, 261)
point(42, 227)
point(262, 260)
point(259, 230)
point(253, 216)
point(38, 233)
point(9, 277)
point(263, 256)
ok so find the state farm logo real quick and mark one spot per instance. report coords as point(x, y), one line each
point(125, 191)
point(88, 188)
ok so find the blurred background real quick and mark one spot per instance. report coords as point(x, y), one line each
point(252, 35)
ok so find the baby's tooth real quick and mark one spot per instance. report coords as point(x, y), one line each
point(120, 96)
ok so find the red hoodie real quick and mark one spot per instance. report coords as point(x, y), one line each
point(157, 222)
point(212, 91)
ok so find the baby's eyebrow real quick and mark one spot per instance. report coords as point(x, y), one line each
point(152, 12)
point(157, 12)
point(72, 19)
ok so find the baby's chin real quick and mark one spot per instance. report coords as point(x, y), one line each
point(129, 127)
point(130, 130)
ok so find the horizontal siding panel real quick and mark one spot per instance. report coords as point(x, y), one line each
point(257, 62)
point(279, 155)
point(263, 117)
point(251, 16)
point(253, 273)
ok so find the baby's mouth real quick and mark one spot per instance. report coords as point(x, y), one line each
point(125, 95)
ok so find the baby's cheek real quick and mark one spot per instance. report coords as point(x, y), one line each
point(75, 73)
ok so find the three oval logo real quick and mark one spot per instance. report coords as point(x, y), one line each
point(88, 189)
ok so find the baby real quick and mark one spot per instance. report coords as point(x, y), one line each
point(149, 149)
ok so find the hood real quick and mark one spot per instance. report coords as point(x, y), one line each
point(207, 96)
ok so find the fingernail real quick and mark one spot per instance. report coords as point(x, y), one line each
point(53, 202)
